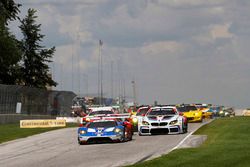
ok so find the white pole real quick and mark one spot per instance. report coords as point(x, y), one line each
point(72, 69)
point(112, 80)
point(101, 74)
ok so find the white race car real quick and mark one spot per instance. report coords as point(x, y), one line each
point(163, 120)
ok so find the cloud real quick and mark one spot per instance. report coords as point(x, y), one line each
point(177, 51)
point(161, 48)
point(221, 31)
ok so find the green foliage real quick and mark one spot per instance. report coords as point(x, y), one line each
point(228, 144)
point(35, 69)
point(23, 62)
point(8, 11)
point(10, 53)
point(10, 132)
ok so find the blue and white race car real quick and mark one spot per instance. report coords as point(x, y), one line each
point(163, 120)
point(105, 131)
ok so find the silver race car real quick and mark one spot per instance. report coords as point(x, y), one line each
point(163, 120)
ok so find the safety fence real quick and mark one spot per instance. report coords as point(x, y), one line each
point(22, 100)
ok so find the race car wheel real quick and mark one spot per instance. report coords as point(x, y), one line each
point(185, 128)
point(79, 142)
point(124, 136)
point(130, 136)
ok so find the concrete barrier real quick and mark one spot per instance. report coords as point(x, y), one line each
point(70, 119)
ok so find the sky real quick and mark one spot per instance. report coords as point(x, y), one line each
point(176, 51)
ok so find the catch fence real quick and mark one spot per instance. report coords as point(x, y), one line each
point(34, 101)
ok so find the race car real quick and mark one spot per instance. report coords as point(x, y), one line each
point(191, 112)
point(97, 114)
point(163, 120)
point(227, 112)
point(215, 109)
point(136, 118)
point(204, 108)
point(105, 131)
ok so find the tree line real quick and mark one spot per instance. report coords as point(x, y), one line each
point(25, 61)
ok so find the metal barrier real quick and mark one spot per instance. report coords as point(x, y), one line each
point(34, 101)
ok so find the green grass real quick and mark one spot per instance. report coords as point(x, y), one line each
point(10, 132)
point(228, 145)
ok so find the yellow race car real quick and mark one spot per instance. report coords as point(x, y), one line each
point(205, 112)
point(191, 113)
point(204, 108)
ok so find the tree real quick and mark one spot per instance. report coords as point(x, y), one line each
point(10, 53)
point(35, 57)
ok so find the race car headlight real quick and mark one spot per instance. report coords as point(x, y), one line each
point(145, 123)
point(173, 122)
point(135, 120)
point(109, 129)
point(82, 132)
point(117, 130)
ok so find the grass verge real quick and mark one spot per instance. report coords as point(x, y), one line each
point(10, 132)
point(228, 145)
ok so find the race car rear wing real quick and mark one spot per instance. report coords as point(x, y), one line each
point(86, 119)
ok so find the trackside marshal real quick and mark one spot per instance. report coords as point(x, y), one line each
point(47, 123)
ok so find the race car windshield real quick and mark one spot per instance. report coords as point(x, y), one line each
point(105, 124)
point(100, 112)
point(143, 111)
point(187, 108)
point(162, 112)
point(191, 108)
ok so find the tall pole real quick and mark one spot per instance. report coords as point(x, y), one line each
point(78, 63)
point(112, 81)
point(101, 72)
point(72, 69)
point(134, 92)
point(53, 76)
point(124, 90)
point(101, 77)
point(61, 76)
point(98, 93)
point(119, 80)
point(87, 83)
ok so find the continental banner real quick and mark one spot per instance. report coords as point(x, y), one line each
point(47, 123)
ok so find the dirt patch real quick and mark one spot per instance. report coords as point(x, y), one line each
point(194, 141)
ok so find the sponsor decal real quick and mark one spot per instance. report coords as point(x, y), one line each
point(47, 123)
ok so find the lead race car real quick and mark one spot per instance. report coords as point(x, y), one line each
point(102, 131)
point(163, 120)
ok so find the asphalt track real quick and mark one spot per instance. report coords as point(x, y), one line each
point(60, 148)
